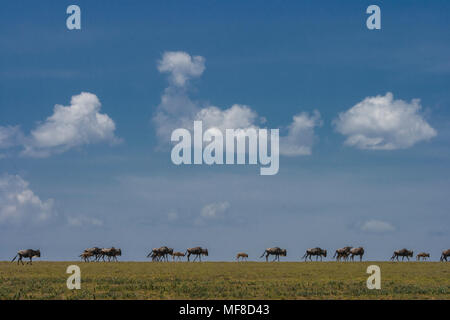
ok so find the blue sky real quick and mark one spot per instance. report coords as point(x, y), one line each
point(280, 59)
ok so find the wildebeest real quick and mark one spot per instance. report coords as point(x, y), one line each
point(276, 251)
point(155, 254)
point(86, 255)
point(445, 254)
point(178, 255)
point(91, 252)
point(110, 253)
point(241, 255)
point(423, 255)
point(28, 253)
point(197, 251)
point(342, 253)
point(318, 252)
point(402, 253)
point(357, 252)
point(158, 254)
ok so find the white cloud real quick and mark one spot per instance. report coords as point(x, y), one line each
point(377, 226)
point(80, 221)
point(382, 123)
point(214, 210)
point(177, 110)
point(300, 137)
point(181, 66)
point(236, 117)
point(10, 136)
point(19, 203)
point(78, 124)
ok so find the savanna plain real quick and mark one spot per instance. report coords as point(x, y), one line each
point(225, 280)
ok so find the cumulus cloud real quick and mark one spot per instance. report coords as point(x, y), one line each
point(10, 136)
point(382, 123)
point(79, 221)
point(235, 117)
point(377, 226)
point(177, 110)
point(70, 126)
point(300, 137)
point(18, 202)
point(181, 66)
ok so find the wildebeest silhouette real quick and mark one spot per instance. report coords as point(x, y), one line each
point(276, 251)
point(111, 253)
point(318, 252)
point(28, 253)
point(197, 251)
point(357, 252)
point(402, 253)
point(342, 253)
point(158, 254)
point(445, 254)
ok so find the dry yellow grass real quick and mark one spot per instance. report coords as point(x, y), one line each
point(225, 280)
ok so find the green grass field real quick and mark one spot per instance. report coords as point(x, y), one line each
point(225, 280)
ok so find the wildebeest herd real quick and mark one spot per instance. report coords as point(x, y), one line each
point(162, 254)
point(97, 253)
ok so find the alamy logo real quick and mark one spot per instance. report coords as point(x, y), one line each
point(208, 147)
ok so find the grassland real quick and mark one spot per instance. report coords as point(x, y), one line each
point(225, 280)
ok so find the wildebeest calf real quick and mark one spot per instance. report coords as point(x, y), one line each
point(241, 255)
point(177, 254)
point(423, 255)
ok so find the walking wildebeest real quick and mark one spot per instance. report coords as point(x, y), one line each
point(357, 252)
point(197, 251)
point(342, 253)
point(276, 251)
point(91, 252)
point(161, 253)
point(155, 254)
point(96, 251)
point(29, 253)
point(318, 252)
point(402, 253)
point(178, 255)
point(110, 253)
point(86, 255)
point(445, 254)
point(241, 255)
point(423, 255)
